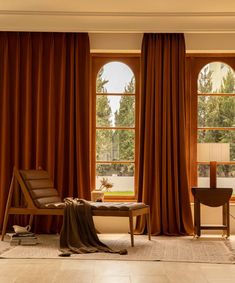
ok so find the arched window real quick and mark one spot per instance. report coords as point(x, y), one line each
point(216, 122)
point(115, 89)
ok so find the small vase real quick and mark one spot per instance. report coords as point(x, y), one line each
point(97, 196)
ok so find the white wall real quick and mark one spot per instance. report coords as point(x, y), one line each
point(131, 42)
point(210, 42)
point(115, 42)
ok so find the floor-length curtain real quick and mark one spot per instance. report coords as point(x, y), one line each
point(44, 112)
point(162, 177)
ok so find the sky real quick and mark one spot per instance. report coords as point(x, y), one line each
point(118, 75)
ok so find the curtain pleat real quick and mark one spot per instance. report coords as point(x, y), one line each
point(162, 177)
point(44, 113)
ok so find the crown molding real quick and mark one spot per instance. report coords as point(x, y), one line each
point(117, 14)
point(116, 22)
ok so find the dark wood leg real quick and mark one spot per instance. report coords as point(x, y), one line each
point(131, 228)
point(197, 218)
point(224, 215)
point(148, 225)
point(228, 219)
point(195, 213)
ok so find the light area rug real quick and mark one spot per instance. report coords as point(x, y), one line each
point(160, 248)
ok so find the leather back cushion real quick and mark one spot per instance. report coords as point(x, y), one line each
point(40, 187)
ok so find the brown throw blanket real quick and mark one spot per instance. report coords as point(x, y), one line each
point(78, 234)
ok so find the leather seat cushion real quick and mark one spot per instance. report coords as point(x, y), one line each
point(117, 205)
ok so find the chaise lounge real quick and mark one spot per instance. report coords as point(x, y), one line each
point(43, 199)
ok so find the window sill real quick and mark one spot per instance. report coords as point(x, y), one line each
point(120, 199)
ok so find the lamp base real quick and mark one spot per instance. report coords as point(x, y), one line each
point(213, 174)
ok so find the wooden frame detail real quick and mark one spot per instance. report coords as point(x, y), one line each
point(31, 208)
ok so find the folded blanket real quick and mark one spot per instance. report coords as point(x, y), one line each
point(78, 234)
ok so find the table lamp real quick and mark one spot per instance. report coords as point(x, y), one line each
point(213, 153)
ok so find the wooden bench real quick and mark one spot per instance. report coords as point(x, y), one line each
point(120, 209)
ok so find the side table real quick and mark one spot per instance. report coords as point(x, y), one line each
point(212, 197)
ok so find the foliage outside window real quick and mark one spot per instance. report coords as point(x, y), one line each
point(115, 127)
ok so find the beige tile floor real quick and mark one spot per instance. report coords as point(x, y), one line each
point(97, 271)
point(101, 271)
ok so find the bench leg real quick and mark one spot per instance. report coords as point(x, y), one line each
point(131, 229)
point(148, 225)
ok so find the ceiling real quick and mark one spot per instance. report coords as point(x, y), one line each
point(119, 15)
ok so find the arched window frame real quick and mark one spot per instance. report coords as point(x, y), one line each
point(98, 60)
point(194, 64)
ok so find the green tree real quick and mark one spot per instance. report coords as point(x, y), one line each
point(205, 81)
point(218, 111)
point(124, 140)
point(228, 83)
point(204, 86)
point(103, 118)
point(227, 116)
point(103, 111)
point(101, 82)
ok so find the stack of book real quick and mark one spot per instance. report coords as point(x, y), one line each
point(23, 239)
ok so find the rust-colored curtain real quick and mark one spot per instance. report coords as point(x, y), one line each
point(44, 112)
point(162, 178)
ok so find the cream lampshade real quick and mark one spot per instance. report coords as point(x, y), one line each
point(213, 153)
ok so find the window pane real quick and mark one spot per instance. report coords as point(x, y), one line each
point(115, 111)
point(114, 145)
point(203, 170)
point(115, 77)
point(216, 111)
point(216, 77)
point(225, 176)
point(120, 175)
point(216, 145)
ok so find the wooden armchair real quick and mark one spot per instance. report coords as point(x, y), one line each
point(40, 195)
